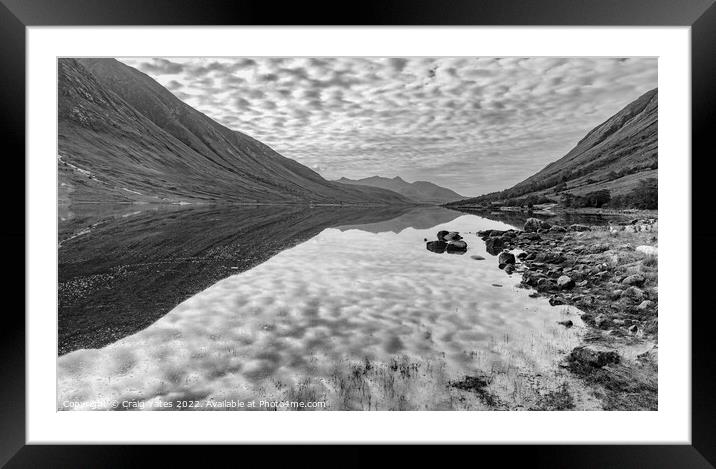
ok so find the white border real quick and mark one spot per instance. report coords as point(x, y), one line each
point(670, 424)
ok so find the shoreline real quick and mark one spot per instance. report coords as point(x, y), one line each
point(610, 274)
point(556, 211)
point(240, 204)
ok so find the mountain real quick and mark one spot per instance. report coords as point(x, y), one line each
point(418, 191)
point(124, 137)
point(616, 155)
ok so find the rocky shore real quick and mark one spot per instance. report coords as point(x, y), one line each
point(610, 274)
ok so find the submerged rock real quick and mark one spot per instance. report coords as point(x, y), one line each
point(568, 323)
point(477, 258)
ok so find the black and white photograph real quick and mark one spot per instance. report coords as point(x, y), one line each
point(357, 233)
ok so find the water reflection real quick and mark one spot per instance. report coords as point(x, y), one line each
point(122, 267)
point(418, 218)
point(359, 318)
point(518, 218)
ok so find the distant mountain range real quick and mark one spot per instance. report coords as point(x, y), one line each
point(124, 137)
point(418, 191)
point(616, 155)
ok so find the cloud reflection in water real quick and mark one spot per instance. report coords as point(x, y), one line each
point(342, 297)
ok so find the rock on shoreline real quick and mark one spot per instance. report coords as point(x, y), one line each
point(598, 270)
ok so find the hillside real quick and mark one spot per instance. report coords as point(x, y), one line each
point(123, 137)
point(616, 156)
point(418, 191)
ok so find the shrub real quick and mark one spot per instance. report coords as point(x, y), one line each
point(644, 196)
point(567, 200)
point(597, 198)
point(593, 199)
point(650, 261)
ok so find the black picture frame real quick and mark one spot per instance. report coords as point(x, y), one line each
point(700, 15)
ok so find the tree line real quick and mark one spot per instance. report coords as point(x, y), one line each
point(644, 196)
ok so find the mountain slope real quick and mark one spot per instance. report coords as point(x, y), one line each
point(615, 155)
point(124, 137)
point(419, 191)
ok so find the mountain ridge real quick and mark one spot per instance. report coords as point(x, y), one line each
point(420, 191)
point(124, 137)
point(616, 155)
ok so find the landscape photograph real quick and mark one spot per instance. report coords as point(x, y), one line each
point(357, 233)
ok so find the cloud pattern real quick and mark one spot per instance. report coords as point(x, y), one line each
point(474, 125)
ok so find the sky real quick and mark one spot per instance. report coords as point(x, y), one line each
point(472, 124)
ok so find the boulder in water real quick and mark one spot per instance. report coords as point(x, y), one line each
point(452, 236)
point(494, 245)
point(436, 246)
point(505, 258)
point(456, 247)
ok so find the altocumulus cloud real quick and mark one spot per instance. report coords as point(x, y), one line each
point(472, 124)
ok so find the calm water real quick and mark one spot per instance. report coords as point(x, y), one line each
point(357, 314)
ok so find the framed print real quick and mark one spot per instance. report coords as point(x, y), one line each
point(419, 224)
